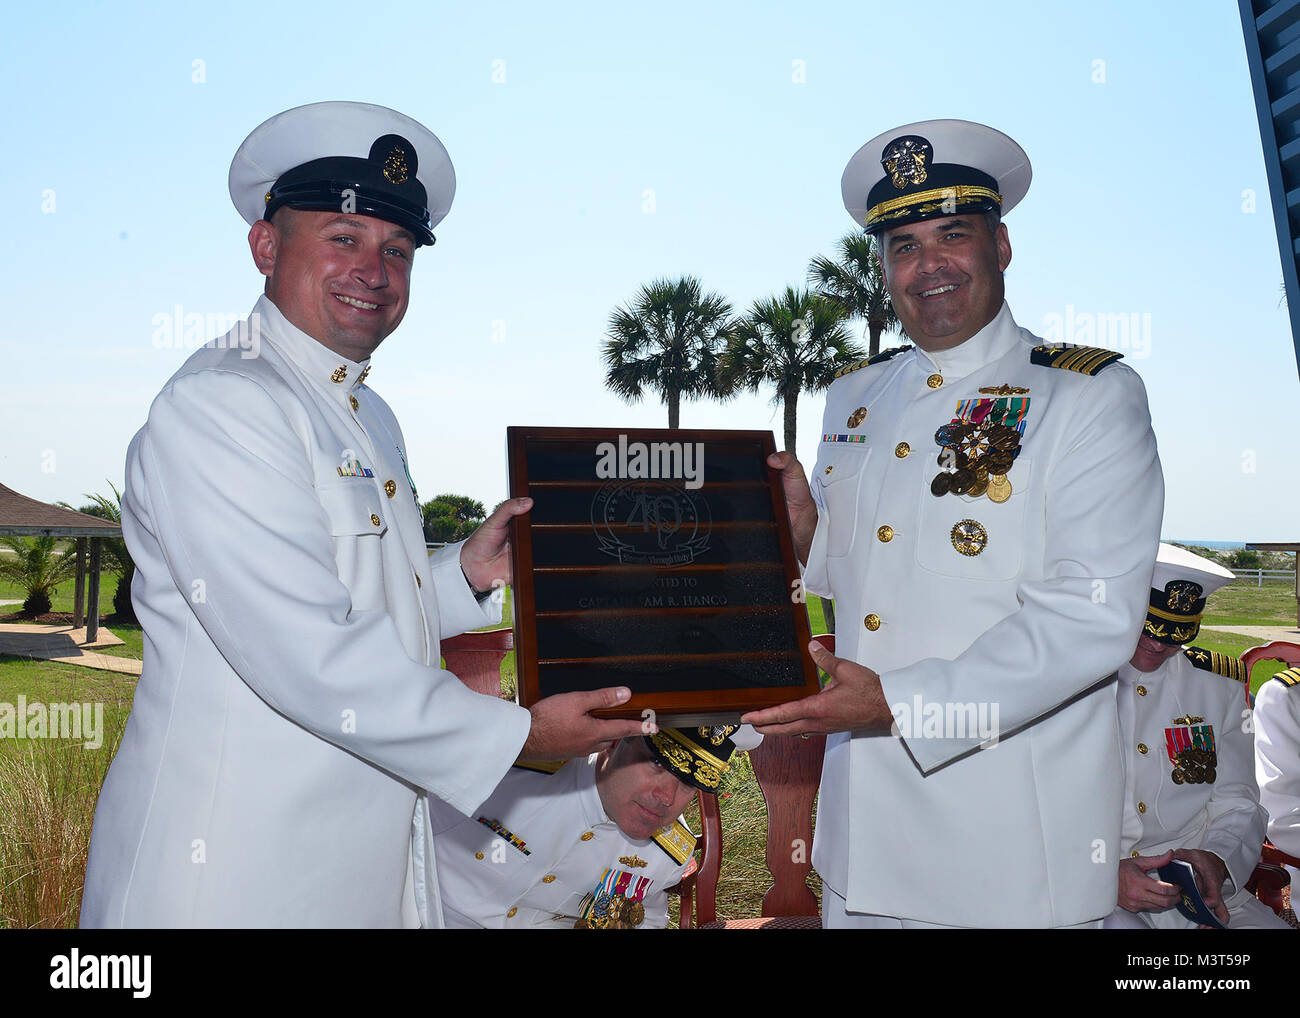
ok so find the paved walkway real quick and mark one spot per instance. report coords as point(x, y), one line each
point(1264, 634)
point(65, 645)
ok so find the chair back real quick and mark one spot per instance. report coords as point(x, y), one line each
point(475, 658)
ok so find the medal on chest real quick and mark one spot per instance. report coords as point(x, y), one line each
point(978, 446)
point(615, 903)
point(1191, 749)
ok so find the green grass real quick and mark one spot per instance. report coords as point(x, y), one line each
point(48, 791)
point(1244, 604)
point(62, 599)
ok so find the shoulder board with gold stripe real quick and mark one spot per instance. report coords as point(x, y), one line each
point(677, 841)
point(1214, 661)
point(1290, 677)
point(880, 358)
point(541, 766)
point(1087, 360)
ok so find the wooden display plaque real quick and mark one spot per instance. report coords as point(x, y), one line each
point(660, 560)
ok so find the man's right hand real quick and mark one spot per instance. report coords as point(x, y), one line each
point(798, 500)
point(563, 728)
point(1141, 893)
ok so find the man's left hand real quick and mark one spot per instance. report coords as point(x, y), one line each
point(485, 556)
point(1210, 875)
point(852, 699)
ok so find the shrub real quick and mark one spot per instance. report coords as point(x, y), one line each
point(37, 603)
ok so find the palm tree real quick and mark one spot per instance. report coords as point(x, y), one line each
point(795, 342)
point(669, 339)
point(855, 282)
point(38, 568)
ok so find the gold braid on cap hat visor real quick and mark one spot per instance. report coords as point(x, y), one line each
point(685, 756)
point(928, 201)
point(1171, 616)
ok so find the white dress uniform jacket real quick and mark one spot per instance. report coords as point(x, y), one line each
point(291, 703)
point(1025, 832)
point(1277, 757)
point(531, 854)
point(1223, 817)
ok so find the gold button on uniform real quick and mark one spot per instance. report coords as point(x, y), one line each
point(829, 469)
point(1133, 854)
point(588, 835)
point(339, 374)
point(549, 878)
point(1142, 747)
point(374, 519)
point(902, 449)
point(872, 622)
point(934, 381)
point(885, 533)
point(478, 855)
point(1142, 807)
point(390, 487)
point(355, 404)
point(511, 913)
point(1142, 690)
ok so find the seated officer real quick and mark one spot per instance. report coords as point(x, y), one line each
point(1189, 788)
point(591, 843)
point(1277, 760)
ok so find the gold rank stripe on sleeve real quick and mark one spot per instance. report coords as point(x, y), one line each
point(541, 766)
point(1217, 662)
point(677, 841)
point(1087, 360)
point(1289, 677)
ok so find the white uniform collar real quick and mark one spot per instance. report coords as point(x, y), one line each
point(1130, 676)
point(593, 812)
point(332, 373)
point(991, 343)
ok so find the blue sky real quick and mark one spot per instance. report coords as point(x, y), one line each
point(623, 145)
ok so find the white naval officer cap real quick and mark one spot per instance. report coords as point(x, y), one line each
point(933, 168)
point(1179, 587)
point(349, 157)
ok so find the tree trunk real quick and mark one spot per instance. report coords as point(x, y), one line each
point(791, 403)
point(873, 346)
point(674, 410)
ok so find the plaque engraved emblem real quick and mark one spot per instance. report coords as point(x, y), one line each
point(651, 523)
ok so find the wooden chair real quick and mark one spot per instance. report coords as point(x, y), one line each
point(788, 769)
point(1278, 650)
point(475, 658)
point(1270, 882)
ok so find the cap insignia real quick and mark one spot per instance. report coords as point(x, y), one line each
point(904, 160)
point(395, 171)
point(1182, 595)
point(717, 734)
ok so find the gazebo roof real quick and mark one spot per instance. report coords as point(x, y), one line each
point(21, 516)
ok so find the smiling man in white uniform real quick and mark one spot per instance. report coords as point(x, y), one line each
point(985, 512)
point(291, 707)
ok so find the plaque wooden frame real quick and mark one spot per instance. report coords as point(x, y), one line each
point(761, 486)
